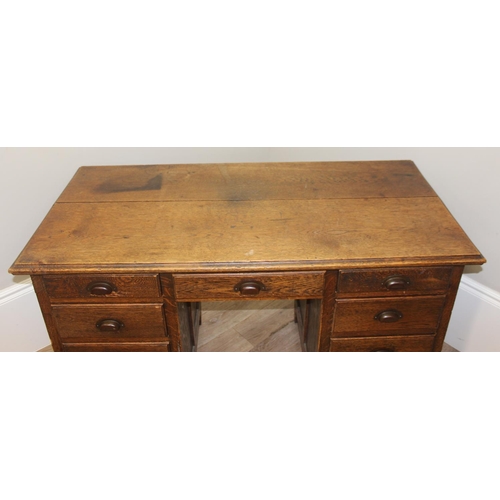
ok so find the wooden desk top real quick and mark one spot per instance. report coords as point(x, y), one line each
point(246, 217)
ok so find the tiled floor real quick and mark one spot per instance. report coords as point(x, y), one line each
point(250, 326)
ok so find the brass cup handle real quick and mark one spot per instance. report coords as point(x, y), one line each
point(101, 288)
point(109, 325)
point(396, 283)
point(250, 288)
point(390, 316)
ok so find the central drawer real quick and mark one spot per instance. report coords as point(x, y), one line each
point(110, 323)
point(235, 286)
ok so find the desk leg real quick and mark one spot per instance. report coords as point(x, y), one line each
point(314, 317)
point(301, 310)
point(327, 311)
point(188, 334)
point(194, 317)
point(448, 308)
point(171, 313)
point(183, 318)
point(308, 314)
point(45, 306)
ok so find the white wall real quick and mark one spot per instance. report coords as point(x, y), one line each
point(467, 179)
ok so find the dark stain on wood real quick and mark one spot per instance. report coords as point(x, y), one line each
point(120, 186)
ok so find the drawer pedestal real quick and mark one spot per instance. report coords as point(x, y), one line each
point(335, 311)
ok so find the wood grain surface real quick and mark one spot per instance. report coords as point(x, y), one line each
point(357, 316)
point(418, 280)
point(413, 343)
point(247, 181)
point(123, 286)
point(248, 231)
point(78, 323)
point(223, 286)
point(117, 347)
point(197, 236)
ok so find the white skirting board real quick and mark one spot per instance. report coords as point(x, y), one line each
point(22, 328)
point(474, 325)
point(475, 322)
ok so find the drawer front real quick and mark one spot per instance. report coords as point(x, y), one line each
point(120, 347)
point(235, 286)
point(110, 323)
point(415, 343)
point(408, 315)
point(395, 281)
point(104, 287)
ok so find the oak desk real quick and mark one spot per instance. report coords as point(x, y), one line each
point(367, 250)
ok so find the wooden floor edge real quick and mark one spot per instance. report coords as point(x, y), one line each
point(46, 349)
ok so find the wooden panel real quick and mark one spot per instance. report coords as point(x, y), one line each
point(388, 281)
point(172, 318)
point(313, 333)
point(44, 301)
point(247, 181)
point(192, 287)
point(448, 307)
point(251, 236)
point(392, 344)
point(188, 341)
point(358, 317)
point(121, 286)
point(301, 316)
point(325, 319)
point(307, 317)
point(119, 347)
point(78, 323)
point(194, 320)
